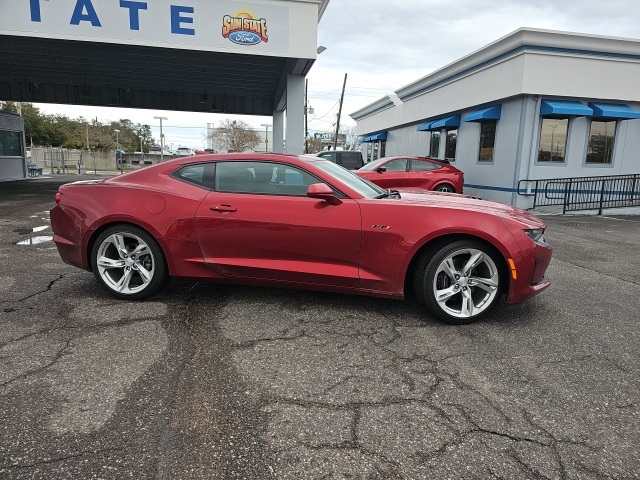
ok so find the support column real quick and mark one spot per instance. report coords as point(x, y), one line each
point(278, 132)
point(295, 115)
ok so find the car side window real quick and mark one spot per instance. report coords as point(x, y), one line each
point(328, 156)
point(351, 160)
point(423, 166)
point(200, 174)
point(397, 165)
point(266, 178)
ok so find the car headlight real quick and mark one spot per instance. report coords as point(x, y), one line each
point(537, 235)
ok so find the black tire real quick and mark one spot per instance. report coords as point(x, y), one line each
point(465, 296)
point(128, 262)
point(444, 188)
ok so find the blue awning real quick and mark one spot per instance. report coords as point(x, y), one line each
point(490, 113)
point(602, 110)
point(382, 136)
point(573, 109)
point(453, 122)
point(424, 127)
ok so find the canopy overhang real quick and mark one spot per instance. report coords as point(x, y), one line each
point(489, 113)
point(48, 70)
point(614, 111)
point(446, 122)
point(564, 108)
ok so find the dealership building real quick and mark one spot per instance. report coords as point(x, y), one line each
point(533, 105)
point(211, 56)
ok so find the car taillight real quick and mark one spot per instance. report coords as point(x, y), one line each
point(58, 198)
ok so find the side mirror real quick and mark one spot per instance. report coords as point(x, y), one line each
point(322, 191)
point(381, 169)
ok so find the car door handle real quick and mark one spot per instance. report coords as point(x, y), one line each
point(223, 208)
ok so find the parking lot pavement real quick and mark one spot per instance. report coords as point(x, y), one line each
point(225, 382)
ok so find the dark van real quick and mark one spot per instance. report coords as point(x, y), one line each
point(347, 158)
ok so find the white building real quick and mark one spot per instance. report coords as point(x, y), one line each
point(535, 104)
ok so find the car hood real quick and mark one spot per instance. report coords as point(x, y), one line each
point(456, 201)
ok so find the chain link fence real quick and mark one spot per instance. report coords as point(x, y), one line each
point(66, 160)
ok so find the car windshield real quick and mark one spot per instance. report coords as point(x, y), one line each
point(353, 181)
point(373, 165)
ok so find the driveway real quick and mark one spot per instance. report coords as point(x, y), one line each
point(226, 382)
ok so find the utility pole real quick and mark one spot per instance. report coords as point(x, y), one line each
point(306, 125)
point(161, 138)
point(335, 140)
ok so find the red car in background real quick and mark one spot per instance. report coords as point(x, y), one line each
point(413, 173)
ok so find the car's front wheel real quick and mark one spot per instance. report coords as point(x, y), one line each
point(128, 262)
point(460, 282)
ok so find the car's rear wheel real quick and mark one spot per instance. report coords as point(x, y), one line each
point(128, 262)
point(445, 188)
point(460, 282)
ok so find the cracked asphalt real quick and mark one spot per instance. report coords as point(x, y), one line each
point(227, 382)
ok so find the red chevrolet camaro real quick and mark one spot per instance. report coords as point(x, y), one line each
point(413, 173)
point(298, 222)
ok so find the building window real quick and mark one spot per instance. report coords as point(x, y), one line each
point(553, 140)
point(10, 144)
point(450, 145)
point(487, 141)
point(601, 138)
point(434, 145)
point(383, 148)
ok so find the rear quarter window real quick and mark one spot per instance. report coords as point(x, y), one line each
point(201, 174)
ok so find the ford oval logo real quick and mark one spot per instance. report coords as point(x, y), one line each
point(245, 38)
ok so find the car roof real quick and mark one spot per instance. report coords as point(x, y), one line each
point(174, 163)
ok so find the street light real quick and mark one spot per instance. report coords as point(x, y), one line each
point(161, 138)
point(266, 136)
point(117, 141)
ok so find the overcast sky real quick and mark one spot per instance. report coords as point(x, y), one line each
point(385, 44)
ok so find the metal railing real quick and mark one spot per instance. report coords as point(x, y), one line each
point(584, 193)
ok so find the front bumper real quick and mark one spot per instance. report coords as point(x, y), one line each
point(531, 272)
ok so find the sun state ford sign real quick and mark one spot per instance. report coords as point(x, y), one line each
point(253, 28)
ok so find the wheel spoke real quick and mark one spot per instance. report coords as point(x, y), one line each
point(123, 284)
point(475, 260)
point(449, 268)
point(118, 241)
point(105, 262)
point(144, 273)
point(141, 249)
point(445, 294)
point(468, 307)
point(487, 284)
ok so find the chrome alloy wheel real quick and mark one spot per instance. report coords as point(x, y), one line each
point(444, 188)
point(466, 283)
point(125, 263)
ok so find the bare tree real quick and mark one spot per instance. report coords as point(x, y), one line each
point(352, 138)
point(235, 136)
